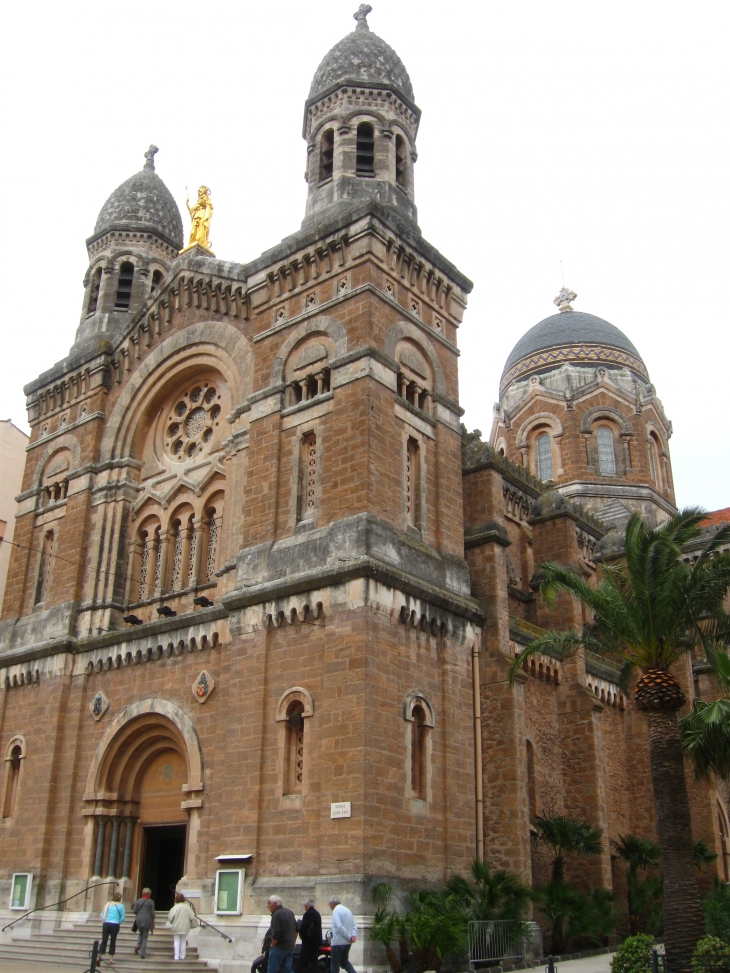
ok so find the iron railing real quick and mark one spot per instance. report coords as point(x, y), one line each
point(493, 940)
point(47, 908)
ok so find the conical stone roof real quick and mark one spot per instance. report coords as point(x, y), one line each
point(143, 202)
point(362, 58)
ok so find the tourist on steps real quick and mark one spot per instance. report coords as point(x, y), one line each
point(144, 910)
point(112, 916)
point(181, 919)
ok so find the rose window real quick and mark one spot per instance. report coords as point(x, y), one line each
point(191, 422)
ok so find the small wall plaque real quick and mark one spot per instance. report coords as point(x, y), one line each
point(203, 686)
point(342, 809)
point(99, 705)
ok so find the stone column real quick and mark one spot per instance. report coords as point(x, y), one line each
point(166, 537)
point(197, 550)
point(128, 835)
point(113, 849)
point(99, 857)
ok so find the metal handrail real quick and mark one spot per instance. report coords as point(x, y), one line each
point(214, 928)
point(42, 908)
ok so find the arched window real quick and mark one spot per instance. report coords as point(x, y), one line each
point(44, 568)
point(544, 457)
point(606, 455)
point(413, 483)
point(294, 748)
point(400, 161)
point(326, 155)
point(94, 291)
point(124, 286)
point(365, 162)
point(418, 753)
point(157, 276)
point(654, 461)
point(12, 780)
point(211, 560)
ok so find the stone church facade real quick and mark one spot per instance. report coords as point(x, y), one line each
point(265, 588)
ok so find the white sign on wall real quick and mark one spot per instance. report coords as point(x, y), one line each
point(342, 809)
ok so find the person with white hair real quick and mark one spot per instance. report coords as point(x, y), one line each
point(344, 934)
point(283, 936)
point(310, 933)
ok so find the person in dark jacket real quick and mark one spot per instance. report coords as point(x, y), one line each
point(283, 936)
point(144, 911)
point(310, 933)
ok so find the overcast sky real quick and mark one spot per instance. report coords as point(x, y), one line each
point(592, 133)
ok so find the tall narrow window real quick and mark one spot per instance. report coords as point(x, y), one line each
point(326, 155)
point(654, 460)
point(177, 566)
point(44, 568)
point(124, 286)
point(418, 753)
point(413, 483)
point(400, 161)
point(544, 457)
point(606, 455)
point(365, 162)
point(94, 291)
point(212, 546)
point(531, 789)
point(158, 560)
point(11, 786)
point(307, 477)
point(156, 280)
point(294, 754)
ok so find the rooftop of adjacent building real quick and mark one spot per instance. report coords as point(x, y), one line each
point(717, 517)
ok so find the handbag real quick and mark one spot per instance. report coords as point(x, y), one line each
point(134, 926)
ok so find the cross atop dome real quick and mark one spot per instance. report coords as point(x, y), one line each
point(361, 16)
point(150, 158)
point(564, 298)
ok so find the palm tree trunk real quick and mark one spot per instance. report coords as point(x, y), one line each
point(683, 920)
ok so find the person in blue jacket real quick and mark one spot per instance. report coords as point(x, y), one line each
point(112, 916)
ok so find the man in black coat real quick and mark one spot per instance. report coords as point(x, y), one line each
point(310, 933)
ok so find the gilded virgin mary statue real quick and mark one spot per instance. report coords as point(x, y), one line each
point(200, 212)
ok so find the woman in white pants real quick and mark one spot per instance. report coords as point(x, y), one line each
point(181, 920)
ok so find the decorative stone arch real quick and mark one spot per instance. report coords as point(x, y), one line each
point(67, 441)
point(115, 736)
point(652, 427)
point(363, 111)
point(605, 412)
point(540, 418)
point(332, 120)
point(295, 694)
point(325, 325)
point(416, 698)
point(215, 344)
point(403, 329)
point(17, 741)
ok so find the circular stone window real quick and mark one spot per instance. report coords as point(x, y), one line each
point(191, 422)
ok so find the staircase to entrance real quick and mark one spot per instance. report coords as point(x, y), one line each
point(72, 948)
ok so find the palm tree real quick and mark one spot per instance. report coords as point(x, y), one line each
point(705, 730)
point(566, 836)
point(492, 894)
point(637, 853)
point(702, 855)
point(649, 611)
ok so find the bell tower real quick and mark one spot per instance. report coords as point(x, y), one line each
point(360, 124)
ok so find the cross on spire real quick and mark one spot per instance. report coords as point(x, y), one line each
point(150, 158)
point(564, 298)
point(361, 16)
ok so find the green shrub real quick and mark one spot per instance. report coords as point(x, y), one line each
point(633, 955)
point(716, 906)
point(711, 955)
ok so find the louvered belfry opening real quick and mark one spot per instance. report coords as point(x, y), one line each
point(326, 155)
point(365, 163)
point(124, 287)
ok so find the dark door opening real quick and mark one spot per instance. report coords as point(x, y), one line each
point(164, 862)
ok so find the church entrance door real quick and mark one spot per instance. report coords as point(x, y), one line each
point(164, 862)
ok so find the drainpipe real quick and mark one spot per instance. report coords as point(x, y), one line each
point(478, 749)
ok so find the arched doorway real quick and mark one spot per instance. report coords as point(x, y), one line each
point(140, 777)
point(724, 853)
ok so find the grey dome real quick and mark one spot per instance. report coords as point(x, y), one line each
point(143, 202)
point(569, 328)
point(364, 58)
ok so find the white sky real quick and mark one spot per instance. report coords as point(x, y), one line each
point(591, 132)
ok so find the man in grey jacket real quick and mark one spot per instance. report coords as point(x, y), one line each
point(144, 911)
point(344, 934)
point(283, 936)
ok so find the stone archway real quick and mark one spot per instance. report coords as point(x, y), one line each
point(145, 771)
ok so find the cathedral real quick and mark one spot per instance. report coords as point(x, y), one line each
point(265, 588)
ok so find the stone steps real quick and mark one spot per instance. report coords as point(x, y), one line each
point(72, 947)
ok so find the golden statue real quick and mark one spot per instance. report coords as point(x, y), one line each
point(200, 212)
